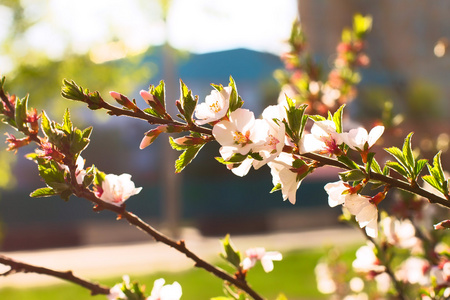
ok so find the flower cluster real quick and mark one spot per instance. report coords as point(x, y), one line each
point(127, 290)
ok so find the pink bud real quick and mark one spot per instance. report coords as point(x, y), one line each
point(115, 95)
point(147, 96)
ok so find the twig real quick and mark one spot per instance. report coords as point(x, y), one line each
point(393, 182)
point(20, 267)
point(178, 245)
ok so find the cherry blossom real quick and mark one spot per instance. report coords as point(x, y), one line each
point(116, 291)
point(215, 106)
point(236, 135)
point(399, 232)
point(117, 189)
point(414, 270)
point(323, 139)
point(325, 282)
point(336, 193)
point(165, 292)
point(365, 212)
point(266, 258)
point(282, 174)
point(358, 139)
point(366, 261)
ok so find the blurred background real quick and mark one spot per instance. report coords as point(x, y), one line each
point(127, 45)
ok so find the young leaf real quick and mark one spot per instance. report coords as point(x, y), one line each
point(230, 254)
point(186, 157)
point(398, 168)
point(21, 113)
point(43, 192)
point(407, 152)
point(235, 100)
point(337, 119)
point(67, 123)
point(188, 102)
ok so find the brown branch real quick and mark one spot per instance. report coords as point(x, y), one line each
point(393, 182)
point(20, 267)
point(160, 237)
point(116, 111)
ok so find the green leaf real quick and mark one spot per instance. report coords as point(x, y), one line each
point(159, 92)
point(186, 157)
point(21, 113)
point(230, 254)
point(317, 118)
point(433, 182)
point(235, 100)
point(348, 162)
point(374, 165)
point(419, 166)
point(276, 188)
point(43, 192)
point(67, 123)
point(398, 154)
point(337, 119)
point(408, 153)
point(398, 168)
point(188, 102)
point(352, 175)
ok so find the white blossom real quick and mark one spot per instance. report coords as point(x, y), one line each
point(165, 292)
point(325, 282)
point(413, 270)
point(116, 291)
point(365, 212)
point(280, 168)
point(399, 233)
point(215, 106)
point(117, 189)
point(266, 258)
point(358, 139)
point(366, 260)
point(336, 195)
point(236, 135)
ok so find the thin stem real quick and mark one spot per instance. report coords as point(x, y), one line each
point(116, 111)
point(393, 182)
point(397, 285)
point(20, 267)
point(178, 245)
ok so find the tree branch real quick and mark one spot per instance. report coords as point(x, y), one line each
point(20, 267)
point(393, 182)
point(160, 237)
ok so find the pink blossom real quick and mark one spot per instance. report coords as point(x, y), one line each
point(323, 139)
point(117, 189)
point(266, 258)
point(400, 233)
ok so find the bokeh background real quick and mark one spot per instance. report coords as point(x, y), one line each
point(127, 45)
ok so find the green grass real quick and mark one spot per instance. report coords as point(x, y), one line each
point(293, 276)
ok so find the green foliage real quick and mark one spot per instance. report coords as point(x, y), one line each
point(296, 120)
point(235, 100)
point(352, 175)
point(187, 103)
point(70, 90)
point(437, 178)
point(337, 119)
point(230, 254)
point(21, 114)
point(189, 153)
point(406, 164)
